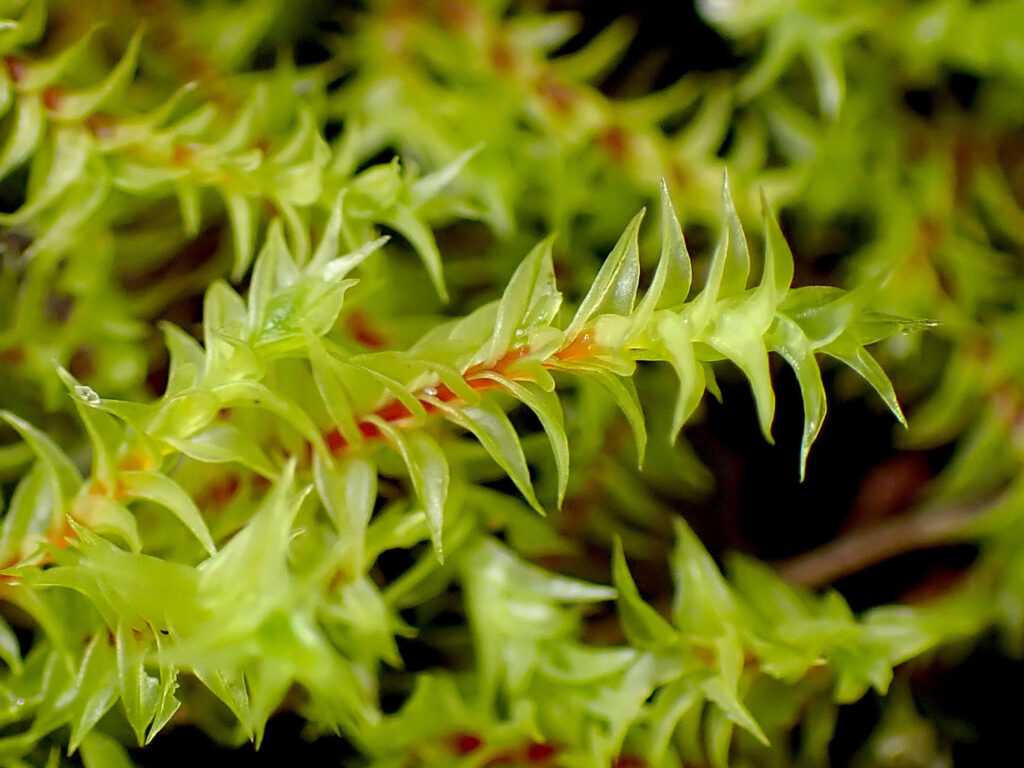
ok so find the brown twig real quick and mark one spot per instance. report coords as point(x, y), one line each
point(932, 525)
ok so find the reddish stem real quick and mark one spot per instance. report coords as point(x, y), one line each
point(476, 377)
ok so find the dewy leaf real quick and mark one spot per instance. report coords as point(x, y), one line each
point(428, 470)
point(103, 432)
point(489, 424)
point(531, 298)
point(162, 490)
point(614, 288)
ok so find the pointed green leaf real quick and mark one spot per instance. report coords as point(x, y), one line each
point(614, 288)
point(676, 338)
point(10, 651)
point(489, 424)
point(737, 265)
point(32, 511)
point(264, 283)
point(335, 398)
point(425, 189)
point(623, 392)
point(224, 442)
point(65, 474)
point(704, 605)
point(242, 132)
point(671, 283)
point(76, 105)
point(106, 516)
point(101, 751)
point(531, 298)
point(745, 347)
point(428, 470)
point(348, 489)
point(187, 193)
point(858, 358)
point(95, 689)
point(162, 490)
point(548, 409)
point(671, 703)
point(139, 690)
point(70, 149)
point(643, 626)
point(228, 686)
point(412, 228)
point(24, 135)
point(101, 427)
point(243, 226)
point(778, 256)
point(46, 72)
point(723, 688)
point(167, 703)
point(826, 63)
point(187, 359)
point(789, 341)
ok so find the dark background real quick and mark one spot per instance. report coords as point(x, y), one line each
point(853, 458)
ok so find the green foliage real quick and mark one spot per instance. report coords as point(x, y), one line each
point(343, 435)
